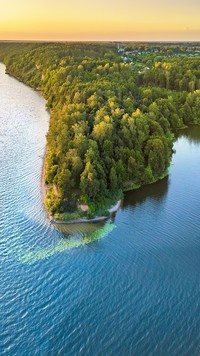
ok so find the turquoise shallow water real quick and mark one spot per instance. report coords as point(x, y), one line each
point(127, 287)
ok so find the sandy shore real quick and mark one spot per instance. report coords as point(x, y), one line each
point(115, 207)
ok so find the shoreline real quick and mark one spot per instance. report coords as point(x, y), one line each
point(44, 188)
point(113, 209)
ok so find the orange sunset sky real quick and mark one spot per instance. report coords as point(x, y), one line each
point(100, 20)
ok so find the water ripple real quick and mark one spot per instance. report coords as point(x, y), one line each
point(67, 291)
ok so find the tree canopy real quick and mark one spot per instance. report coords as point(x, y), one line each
point(112, 120)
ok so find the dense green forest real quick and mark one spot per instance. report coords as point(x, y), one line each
point(114, 110)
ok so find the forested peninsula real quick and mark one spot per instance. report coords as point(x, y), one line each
point(114, 110)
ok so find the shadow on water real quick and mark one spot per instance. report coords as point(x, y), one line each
point(191, 133)
point(155, 191)
point(66, 230)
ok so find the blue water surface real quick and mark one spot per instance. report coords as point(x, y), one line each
point(130, 286)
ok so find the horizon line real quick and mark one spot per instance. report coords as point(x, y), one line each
point(100, 41)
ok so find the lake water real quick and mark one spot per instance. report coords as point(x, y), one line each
point(130, 286)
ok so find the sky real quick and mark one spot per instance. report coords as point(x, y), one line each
point(100, 20)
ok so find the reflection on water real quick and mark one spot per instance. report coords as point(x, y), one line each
point(156, 191)
point(192, 134)
point(81, 228)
